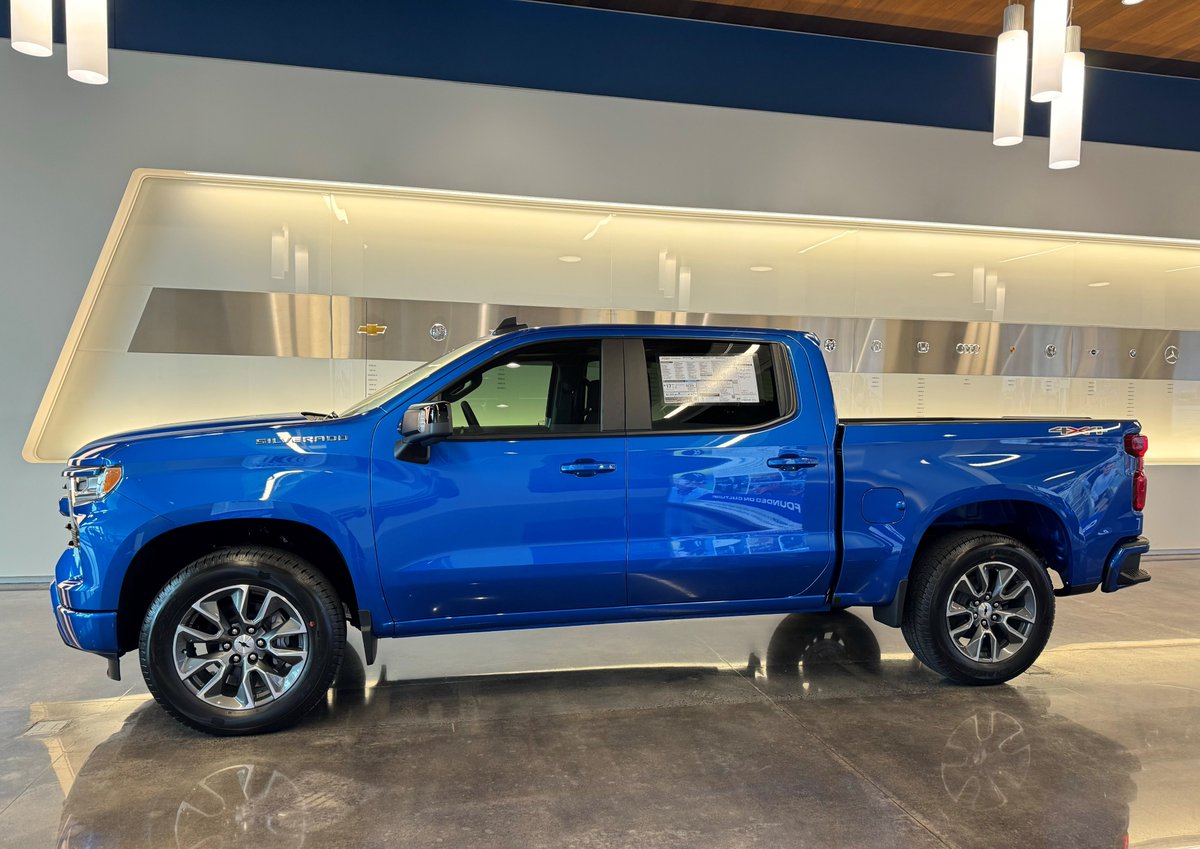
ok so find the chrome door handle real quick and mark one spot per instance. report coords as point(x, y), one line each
point(587, 468)
point(791, 462)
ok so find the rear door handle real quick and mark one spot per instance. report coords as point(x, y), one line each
point(587, 468)
point(792, 462)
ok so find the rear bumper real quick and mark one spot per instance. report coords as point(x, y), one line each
point(1123, 568)
point(87, 630)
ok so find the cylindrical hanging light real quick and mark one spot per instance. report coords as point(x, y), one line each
point(1012, 56)
point(1066, 113)
point(1049, 35)
point(87, 41)
point(31, 25)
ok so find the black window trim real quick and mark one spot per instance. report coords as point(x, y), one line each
point(612, 392)
point(637, 384)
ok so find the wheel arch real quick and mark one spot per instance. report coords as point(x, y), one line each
point(164, 556)
point(1032, 522)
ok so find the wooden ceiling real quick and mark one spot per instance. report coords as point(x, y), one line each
point(1160, 36)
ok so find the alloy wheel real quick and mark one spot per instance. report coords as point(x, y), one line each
point(241, 647)
point(991, 612)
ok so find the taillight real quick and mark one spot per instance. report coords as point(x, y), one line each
point(1136, 445)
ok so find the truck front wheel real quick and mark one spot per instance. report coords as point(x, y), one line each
point(980, 607)
point(243, 641)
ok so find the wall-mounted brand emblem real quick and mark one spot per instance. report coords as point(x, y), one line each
point(1171, 355)
point(372, 329)
point(1085, 430)
point(316, 439)
point(830, 345)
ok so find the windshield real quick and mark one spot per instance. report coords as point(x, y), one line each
point(412, 378)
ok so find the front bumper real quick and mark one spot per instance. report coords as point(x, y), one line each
point(1123, 568)
point(88, 630)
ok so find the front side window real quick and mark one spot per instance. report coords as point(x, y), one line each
point(702, 384)
point(540, 390)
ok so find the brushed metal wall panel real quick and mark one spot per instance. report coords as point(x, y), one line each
point(299, 325)
point(265, 324)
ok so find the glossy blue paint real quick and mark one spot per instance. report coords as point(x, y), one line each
point(496, 527)
point(711, 519)
point(1081, 482)
point(1110, 582)
point(89, 631)
point(495, 534)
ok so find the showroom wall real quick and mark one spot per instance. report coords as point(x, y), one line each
point(67, 150)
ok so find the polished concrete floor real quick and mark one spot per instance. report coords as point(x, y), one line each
point(800, 731)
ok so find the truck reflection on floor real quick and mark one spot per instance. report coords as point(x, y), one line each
point(616, 756)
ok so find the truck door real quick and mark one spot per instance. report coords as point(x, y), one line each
point(730, 473)
point(523, 508)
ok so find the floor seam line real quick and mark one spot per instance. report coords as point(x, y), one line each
point(32, 782)
point(846, 763)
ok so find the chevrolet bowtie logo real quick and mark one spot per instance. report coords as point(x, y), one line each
point(372, 329)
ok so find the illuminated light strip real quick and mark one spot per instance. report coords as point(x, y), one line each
point(826, 241)
point(1039, 253)
point(1183, 268)
point(692, 212)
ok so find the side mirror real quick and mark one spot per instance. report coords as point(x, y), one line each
point(422, 425)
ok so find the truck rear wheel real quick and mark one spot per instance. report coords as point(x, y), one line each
point(980, 607)
point(243, 641)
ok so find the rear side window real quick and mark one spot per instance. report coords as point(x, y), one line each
point(702, 384)
point(539, 390)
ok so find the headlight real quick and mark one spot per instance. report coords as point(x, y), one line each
point(90, 483)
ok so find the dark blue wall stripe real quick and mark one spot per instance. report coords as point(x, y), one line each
point(591, 51)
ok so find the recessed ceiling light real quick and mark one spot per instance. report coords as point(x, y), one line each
point(570, 258)
point(512, 365)
point(762, 268)
point(1100, 283)
point(1130, 2)
point(943, 274)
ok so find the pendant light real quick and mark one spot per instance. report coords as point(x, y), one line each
point(1066, 112)
point(87, 41)
point(31, 26)
point(1049, 36)
point(1012, 57)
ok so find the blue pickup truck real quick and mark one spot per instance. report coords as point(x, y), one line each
point(567, 475)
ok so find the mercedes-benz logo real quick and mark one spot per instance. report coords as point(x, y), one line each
point(1171, 355)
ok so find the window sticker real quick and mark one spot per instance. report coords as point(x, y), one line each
point(709, 380)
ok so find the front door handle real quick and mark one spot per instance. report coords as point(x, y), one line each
point(791, 462)
point(587, 468)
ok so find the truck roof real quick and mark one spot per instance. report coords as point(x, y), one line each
point(660, 330)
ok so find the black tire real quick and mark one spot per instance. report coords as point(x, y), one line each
point(263, 569)
point(935, 574)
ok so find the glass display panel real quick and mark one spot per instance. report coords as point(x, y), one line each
point(219, 296)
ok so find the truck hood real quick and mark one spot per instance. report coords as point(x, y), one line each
point(99, 447)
